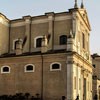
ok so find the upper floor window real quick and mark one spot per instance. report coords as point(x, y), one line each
point(83, 40)
point(38, 41)
point(29, 68)
point(15, 42)
point(5, 69)
point(63, 39)
point(55, 66)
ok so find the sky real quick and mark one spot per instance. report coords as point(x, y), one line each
point(14, 9)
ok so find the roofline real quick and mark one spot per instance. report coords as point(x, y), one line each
point(45, 14)
point(4, 16)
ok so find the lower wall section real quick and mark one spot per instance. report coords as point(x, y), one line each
point(50, 84)
point(52, 76)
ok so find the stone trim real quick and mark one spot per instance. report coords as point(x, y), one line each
point(36, 39)
point(30, 70)
point(2, 21)
point(62, 18)
point(2, 69)
point(14, 43)
point(18, 24)
point(55, 69)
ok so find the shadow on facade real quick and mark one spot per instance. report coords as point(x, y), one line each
point(20, 96)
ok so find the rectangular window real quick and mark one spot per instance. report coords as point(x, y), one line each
point(88, 86)
point(83, 40)
point(74, 82)
point(79, 84)
point(84, 89)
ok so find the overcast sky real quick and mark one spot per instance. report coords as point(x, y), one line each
point(17, 8)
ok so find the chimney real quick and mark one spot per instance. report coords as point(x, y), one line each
point(44, 47)
point(18, 49)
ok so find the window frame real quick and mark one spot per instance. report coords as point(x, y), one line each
point(14, 43)
point(2, 72)
point(35, 41)
point(25, 68)
point(51, 69)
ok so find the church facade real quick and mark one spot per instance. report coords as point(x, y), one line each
point(47, 54)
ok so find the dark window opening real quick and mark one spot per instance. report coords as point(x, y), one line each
point(63, 40)
point(5, 69)
point(94, 77)
point(83, 40)
point(94, 65)
point(15, 44)
point(29, 68)
point(55, 66)
point(38, 42)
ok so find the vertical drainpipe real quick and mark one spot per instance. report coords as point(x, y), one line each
point(30, 35)
point(9, 36)
point(42, 76)
point(53, 35)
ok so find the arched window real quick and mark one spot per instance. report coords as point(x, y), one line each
point(55, 66)
point(29, 68)
point(14, 43)
point(38, 41)
point(5, 69)
point(63, 40)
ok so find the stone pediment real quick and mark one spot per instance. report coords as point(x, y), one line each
point(85, 17)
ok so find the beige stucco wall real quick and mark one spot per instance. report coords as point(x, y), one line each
point(4, 35)
point(74, 63)
point(54, 82)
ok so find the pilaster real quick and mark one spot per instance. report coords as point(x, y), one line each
point(44, 47)
point(27, 45)
point(51, 30)
point(69, 78)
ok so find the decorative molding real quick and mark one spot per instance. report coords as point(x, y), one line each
point(40, 21)
point(17, 24)
point(70, 62)
point(3, 21)
point(62, 18)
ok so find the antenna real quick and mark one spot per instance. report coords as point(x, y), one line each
point(75, 6)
